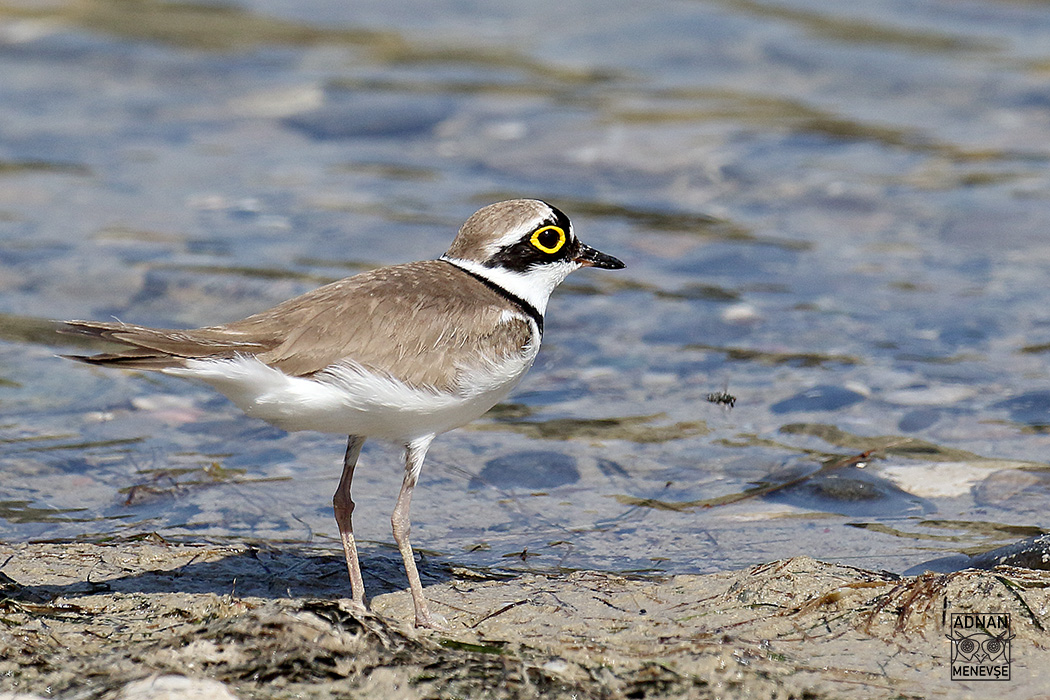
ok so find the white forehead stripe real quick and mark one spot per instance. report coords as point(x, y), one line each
point(516, 234)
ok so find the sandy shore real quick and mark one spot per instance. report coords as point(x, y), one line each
point(151, 619)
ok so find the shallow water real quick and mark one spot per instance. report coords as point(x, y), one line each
point(834, 214)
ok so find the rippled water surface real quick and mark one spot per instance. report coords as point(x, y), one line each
point(835, 213)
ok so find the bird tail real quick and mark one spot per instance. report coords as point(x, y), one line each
point(155, 348)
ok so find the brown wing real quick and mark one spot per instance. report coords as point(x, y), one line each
point(397, 320)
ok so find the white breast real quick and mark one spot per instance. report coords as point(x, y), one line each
point(346, 398)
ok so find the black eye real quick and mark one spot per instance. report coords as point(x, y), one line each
point(549, 239)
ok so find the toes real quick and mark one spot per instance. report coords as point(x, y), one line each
point(357, 607)
point(432, 622)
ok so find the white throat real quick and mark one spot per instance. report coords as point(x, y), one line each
point(534, 286)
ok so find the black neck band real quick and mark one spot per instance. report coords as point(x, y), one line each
point(523, 306)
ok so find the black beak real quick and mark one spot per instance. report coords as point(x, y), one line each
point(589, 257)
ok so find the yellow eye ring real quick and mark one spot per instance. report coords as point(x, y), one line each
point(549, 248)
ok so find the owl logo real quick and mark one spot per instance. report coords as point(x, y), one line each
point(981, 648)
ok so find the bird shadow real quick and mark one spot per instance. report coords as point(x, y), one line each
point(262, 571)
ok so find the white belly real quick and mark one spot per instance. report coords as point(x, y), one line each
point(347, 399)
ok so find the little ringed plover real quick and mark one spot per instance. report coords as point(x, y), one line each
point(401, 353)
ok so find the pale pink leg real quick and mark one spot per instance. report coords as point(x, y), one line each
point(415, 452)
point(344, 509)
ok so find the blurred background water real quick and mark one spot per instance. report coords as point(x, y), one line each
point(834, 212)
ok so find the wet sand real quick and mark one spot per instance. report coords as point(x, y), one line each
point(153, 619)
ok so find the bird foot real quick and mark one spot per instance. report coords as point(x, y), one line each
point(428, 621)
point(356, 607)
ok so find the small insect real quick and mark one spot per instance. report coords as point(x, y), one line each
point(722, 398)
